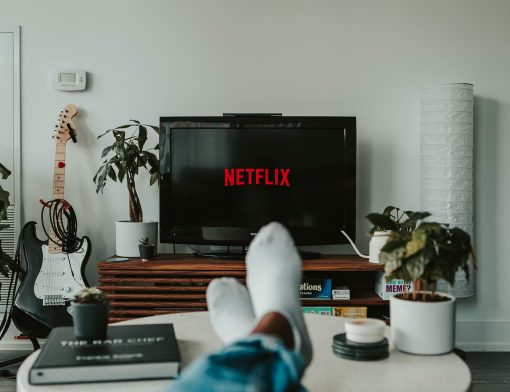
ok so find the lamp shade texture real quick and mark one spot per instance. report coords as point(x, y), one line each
point(446, 163)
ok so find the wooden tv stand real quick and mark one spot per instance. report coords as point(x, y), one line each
point(174, 283)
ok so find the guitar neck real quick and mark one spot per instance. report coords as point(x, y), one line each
point(59, 171)
point(59, 175)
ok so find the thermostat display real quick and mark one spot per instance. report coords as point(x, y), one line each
point(71, 80)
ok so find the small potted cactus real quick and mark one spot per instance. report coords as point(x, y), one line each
point(147, 249)
point(90, 313)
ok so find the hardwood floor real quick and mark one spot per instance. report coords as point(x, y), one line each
point(7, 382)
point(490, 371)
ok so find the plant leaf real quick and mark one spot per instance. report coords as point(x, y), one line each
point(156, 129)
point(106, 151)
point(122, 172)
point(4, 172)
point(154, 178)
point(97, 173)
point(142, 136)
point(382, 222)
point(111, 173)
point(388, 210)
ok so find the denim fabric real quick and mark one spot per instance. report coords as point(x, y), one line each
point(257, 363)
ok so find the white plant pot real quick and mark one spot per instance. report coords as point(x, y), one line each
point(426, 328)
point(378, 240)
point(127, 235)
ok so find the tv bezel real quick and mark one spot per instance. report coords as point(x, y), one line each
point(242, 235)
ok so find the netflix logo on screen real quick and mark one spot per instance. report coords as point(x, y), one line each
point(256, 176)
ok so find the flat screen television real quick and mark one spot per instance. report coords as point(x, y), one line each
point(224, 177)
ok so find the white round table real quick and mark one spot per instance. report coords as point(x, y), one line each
point(399, 372)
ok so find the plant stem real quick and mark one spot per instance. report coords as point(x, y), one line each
point(135, 208)
point(417, 287)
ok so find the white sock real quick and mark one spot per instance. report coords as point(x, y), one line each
point(273, 276)
point(230, 309)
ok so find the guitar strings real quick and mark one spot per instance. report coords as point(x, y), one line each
point(64, 224)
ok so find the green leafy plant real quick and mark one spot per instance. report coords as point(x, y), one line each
point(392, 219)
point(6, 262)
point(89, 295)
point(431, 252)
point(123, 159)
point(145, 242)
point(4, 195)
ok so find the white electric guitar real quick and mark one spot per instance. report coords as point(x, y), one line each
point(53, 276)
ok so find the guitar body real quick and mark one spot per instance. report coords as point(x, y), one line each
point(51, 279)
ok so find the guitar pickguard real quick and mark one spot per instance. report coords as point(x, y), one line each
point(60, 276)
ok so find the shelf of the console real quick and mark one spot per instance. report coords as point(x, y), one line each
point(358, 298)
point(165, 263)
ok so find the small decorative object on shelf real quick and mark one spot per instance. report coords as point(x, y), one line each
point(423, 322)
point(90, 313)
point(123, 159)
point(146, 248)
point(390, 220)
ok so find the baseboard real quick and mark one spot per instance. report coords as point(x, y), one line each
point(489, 335)
point(23, 345)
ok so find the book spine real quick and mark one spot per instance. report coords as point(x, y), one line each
point(315, 288)
point(350, 311)
point(322, 310)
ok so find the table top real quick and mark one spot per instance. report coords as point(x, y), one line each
point(327, 372)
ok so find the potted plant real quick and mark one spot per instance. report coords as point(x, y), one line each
point(383, 224)
point(6, 262)
point(146, 248)
point(424, 322)
point(122, 160)
point(90, 308)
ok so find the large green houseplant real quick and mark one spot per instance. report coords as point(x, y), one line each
point(123, 159)
point(424, 322)
point(6, 262)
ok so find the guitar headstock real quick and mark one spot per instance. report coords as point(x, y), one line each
point(65, 129)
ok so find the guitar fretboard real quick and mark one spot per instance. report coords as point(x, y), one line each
point(59, 174)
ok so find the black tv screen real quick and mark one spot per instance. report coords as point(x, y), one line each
point(223, 178)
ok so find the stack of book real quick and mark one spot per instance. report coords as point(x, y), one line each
point(129, 352)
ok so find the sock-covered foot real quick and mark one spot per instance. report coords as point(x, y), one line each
point(230, 309)
point(273, 276)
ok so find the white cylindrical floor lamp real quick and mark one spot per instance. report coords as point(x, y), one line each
point(446, 156)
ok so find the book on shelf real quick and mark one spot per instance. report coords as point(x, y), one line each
point(387, 288)
point(341, 293)
point(129, 352)
point(322, 310)
point(350, 311)
point(315, 288)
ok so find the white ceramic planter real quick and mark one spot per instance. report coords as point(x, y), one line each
point(127, 235)
point(378, 240)
point(426, 328)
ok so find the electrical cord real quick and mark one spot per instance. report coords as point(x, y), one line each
point(353, 245)
point(63, 223)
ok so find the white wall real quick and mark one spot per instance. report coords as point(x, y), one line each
point(363, 58)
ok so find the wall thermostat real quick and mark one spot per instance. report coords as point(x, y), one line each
point(70, 80)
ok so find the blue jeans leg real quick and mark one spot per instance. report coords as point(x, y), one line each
point(257, 363)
